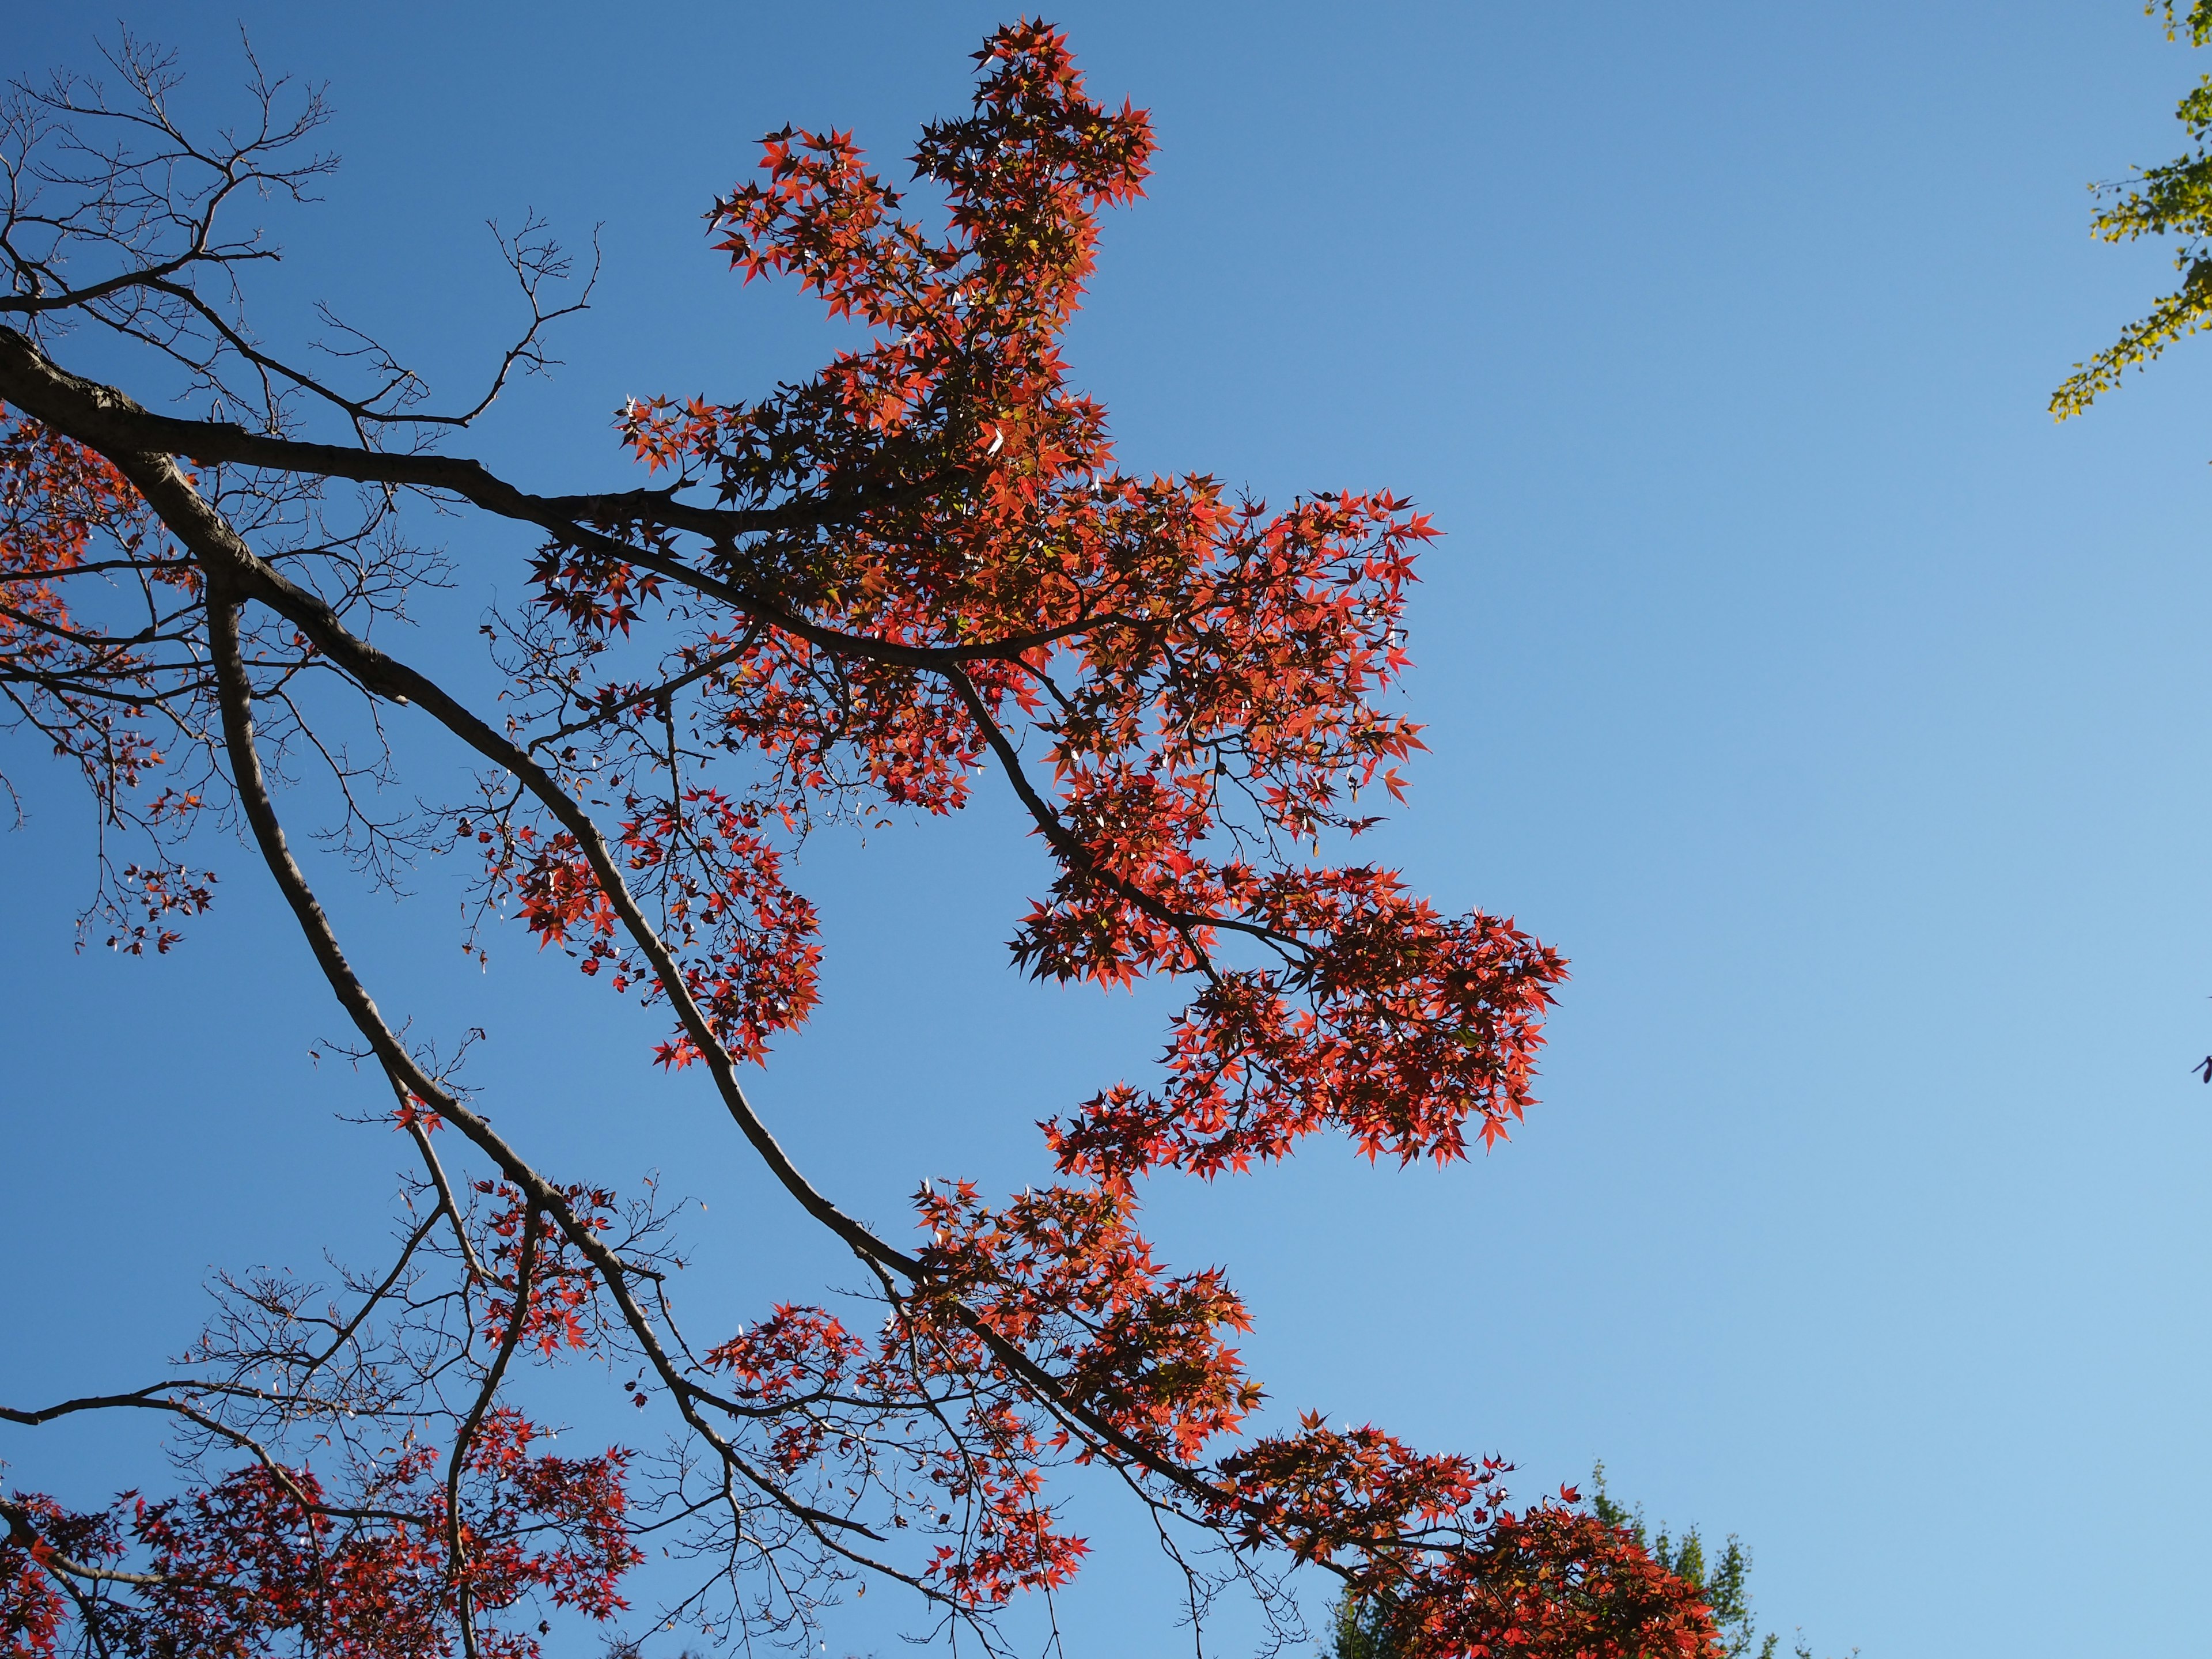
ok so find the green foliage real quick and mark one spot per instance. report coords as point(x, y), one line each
point(2173, 200)
point(1360, 1629)
point(2197, 23)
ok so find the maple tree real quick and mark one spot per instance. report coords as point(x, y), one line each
point(917, 573)
point(1371, 1626)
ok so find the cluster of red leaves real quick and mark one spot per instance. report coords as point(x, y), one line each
point(974, 317)
point(32, 1608)
point(560, 1288)
point(962, 576)
point(844, 1406)
point(1015, 1544)
point(1554, 1583)
point(1063, 1275)
point(1329, 1493)
point(966, 574)
point(267, 1555)
point(1061, 1281)
point(1463, 1575)
point(579, 1503)
point(745, 940)
point(1056, 1282)
point(83, 689)
point(1408, 1024)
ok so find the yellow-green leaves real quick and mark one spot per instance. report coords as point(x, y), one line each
point(2198, 22)
point(2173, 200)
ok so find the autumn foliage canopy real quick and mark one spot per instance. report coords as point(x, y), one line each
point(918, 574)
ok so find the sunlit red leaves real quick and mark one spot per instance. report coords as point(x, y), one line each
point(745, 940)
point(548, 1525)
point(1463, 1575)
point(559, 1288)
point(1056, 1283)
point(797, 1356)
point(246, 1561)
point(1024, 176)
point(837, 1411)
point(56, 498)
point(1397, 1026)
point(71, 527)
point(1552, 1583)
point(1200, 676)
point(1015, 1546)
point(1061, 1279)
point(1063, 1275)
point(795, 1350)
point(32, 1607)
point(268, 1559)
point(387, 1552)
point(1350, 1491)
point(1194, 688)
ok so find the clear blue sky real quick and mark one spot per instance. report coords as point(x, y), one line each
point(1845, 720)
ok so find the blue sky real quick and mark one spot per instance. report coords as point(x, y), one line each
point(1842, 719)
